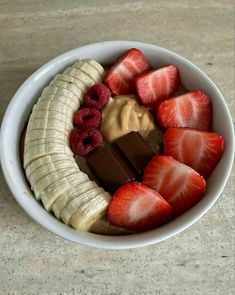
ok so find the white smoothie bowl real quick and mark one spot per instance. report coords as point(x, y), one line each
point(20, 108)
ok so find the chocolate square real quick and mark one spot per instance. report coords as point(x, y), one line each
point(135, 150)
point(111, 168)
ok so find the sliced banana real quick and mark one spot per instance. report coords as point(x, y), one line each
point(48, 160)
point(51, 167)
point(50, 116)
point(90, 212)
point(74, 204)
point(48, 105)
point(73, 80)
point(49, 123)
point(68, 86)
point(72, 103)
point(76, 73)
point(41, 141)
point(56, 90)
point(39, 114)
point(41, 162)
point(70, 194)
point(51, 178)
point(35, 152)
point(96, 65)
point(53, 191)
point(46, 126)
point(36, 134)
point(85, 67)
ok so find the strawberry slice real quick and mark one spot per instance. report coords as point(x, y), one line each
point(180, 185)
point(200, 150)
point(120, 78)
point(155, 85)
point(193, 110)
point(136, 207)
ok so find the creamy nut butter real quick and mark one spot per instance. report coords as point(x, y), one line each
point(122, 115)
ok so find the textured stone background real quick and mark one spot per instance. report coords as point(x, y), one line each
point(197, 261)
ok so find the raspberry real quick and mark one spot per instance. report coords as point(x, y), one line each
point(97, 96)
point(85, 141)
point(87, 118)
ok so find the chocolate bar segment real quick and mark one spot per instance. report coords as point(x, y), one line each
point(110, 168)
point(135, 150)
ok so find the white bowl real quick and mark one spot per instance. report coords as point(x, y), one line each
point(105, 52)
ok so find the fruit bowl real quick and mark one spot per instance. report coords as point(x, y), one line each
point(105, 53)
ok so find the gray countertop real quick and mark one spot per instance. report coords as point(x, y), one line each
point(198, 261)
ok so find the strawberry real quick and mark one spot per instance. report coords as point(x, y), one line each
point(180, 185)
point(120, 78)
point(200, 150)
point(155, 85)
point(137, 207)
point(193, 110)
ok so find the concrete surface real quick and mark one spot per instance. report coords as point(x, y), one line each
point(198, 261)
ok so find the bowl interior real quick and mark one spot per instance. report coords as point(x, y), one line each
point(105, 53)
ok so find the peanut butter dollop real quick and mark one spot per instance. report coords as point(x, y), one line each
point(122, 115)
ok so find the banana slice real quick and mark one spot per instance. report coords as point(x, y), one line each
point(44, 144)
point(41, 162)
point(77, 73)
point(41, 141)
point(53, 191)
point(52, 110)
point(49, 123)
point(51, 167)
point(73, 80)
point(68, 86)
point(36, 134)
point(71, 103)
point(96, 65)
point(90, 212)
point(56, 90)
point(88, 69)
point(48, 105)
point(41, 125)
point(39, 114)
point(73, 205)
point(38, 151)
point(70, 194)
point(51, 178)
point(47, 116)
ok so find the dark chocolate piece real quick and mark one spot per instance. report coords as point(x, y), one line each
point(135, 150)
point(110, 168)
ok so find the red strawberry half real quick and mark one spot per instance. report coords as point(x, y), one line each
point(120, 78)
point(200, 150)
point(193, 110)
point(155, 85)
point(136, 207)
point(180, 185)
